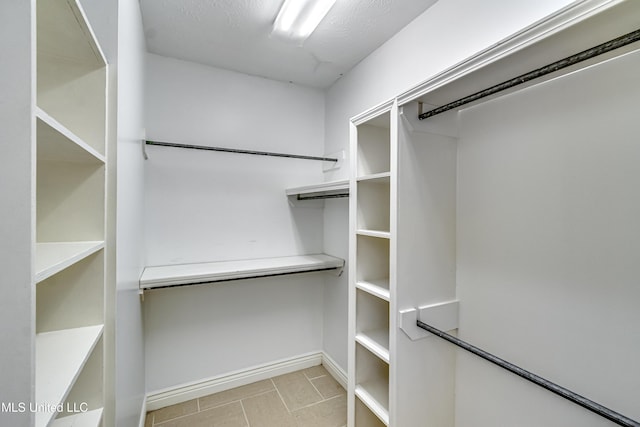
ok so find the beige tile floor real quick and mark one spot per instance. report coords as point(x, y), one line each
point(306, 398)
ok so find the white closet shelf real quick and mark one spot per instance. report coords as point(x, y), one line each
point(57, 143)
point(383, 177)
point(53, 257)
point(374, 394)
point(85, 419)
point(320, 190)
point(191, 274)
point(376, 341)
point(60, 357)
point(378, 288)
point(374, 233)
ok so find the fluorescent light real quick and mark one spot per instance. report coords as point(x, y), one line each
point(297, 19)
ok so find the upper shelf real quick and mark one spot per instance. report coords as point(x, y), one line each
point(72, 71)
point(192, 274)
point(326, 190)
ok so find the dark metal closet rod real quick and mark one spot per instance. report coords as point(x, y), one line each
point(326, 196)
point(546, 384)
point(237, 151)
point(616, 43)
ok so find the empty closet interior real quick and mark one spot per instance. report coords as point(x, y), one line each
point(510, 221)
point(459, 204)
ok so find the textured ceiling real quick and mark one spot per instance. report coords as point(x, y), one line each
point(236, 35)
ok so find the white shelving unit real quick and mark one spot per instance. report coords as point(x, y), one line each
point(503, 204)
point(191, 274)
point(370, 296)
point(70, 216)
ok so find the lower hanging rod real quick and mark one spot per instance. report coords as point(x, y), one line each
point(324, 196)
point(546, 384)
point(238, 151)
point(616, 43)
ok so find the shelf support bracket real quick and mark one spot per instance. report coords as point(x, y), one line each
point(144, 149)
point(442, 315)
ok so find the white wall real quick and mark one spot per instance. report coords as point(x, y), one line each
point(547, 248)
point(208, 206)
point(130, 384)
point(17, 183)
point(336, 298)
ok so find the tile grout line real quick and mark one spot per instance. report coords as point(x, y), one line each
point(322, 398)
point(237, 400)
point(314, 378)
point(245, 414)
point(279, 395)
point(317, 403)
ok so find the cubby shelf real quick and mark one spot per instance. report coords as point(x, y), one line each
point(376, 341)
point(383, 177)
point(191, 274)
point(374, 394)
point(378, 288)
point(374, 233)
point(85, 419)
point(57, 143)
point(60, 357)
point(53, 257)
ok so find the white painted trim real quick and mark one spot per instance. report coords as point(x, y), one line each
point(184, 392)
point(334, 370)
point(373, 112)
point(570, 15)
point(143, 413)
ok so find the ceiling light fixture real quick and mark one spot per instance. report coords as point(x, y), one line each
point(297, 19)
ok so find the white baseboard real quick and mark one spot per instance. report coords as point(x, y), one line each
point(143, 413)
point(335, 370)
point(184, 392)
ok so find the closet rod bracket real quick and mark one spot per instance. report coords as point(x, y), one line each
point(444, 314)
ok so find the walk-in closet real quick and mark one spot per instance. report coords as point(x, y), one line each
point(319, 213)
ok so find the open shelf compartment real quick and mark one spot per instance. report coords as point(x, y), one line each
point(53, 257)
point(372, 260)
point(366, 418)
point(373, 205)
point(373, 153)
point(372, 383)
point(372, 324)
point(60, 358)
point(72, 71)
